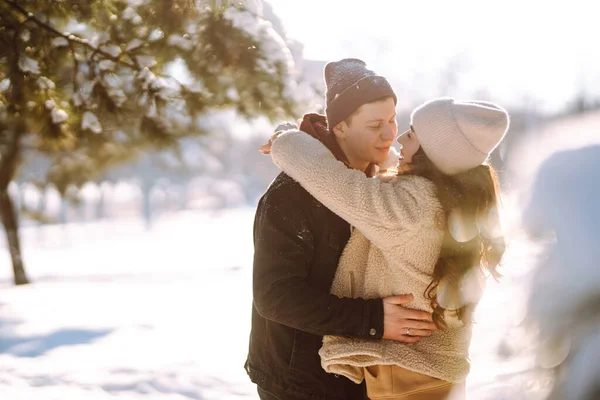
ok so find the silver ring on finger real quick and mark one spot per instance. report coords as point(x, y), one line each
point(407, 331)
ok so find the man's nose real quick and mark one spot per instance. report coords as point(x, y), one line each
point(388, 134)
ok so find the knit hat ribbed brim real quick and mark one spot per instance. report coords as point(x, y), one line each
point(458, 136)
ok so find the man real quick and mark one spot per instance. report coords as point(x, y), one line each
point(298, 243)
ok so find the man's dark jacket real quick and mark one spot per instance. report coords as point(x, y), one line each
point(297, 246)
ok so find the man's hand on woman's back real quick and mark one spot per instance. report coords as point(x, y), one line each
point(405, 324)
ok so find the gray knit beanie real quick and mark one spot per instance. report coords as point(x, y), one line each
point(350, 84)
point(458, 136)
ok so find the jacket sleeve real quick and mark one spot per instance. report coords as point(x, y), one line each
point(376, 208)
point(284, 252)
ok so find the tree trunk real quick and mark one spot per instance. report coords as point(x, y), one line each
point(9, 160)
point(11, 227)
point(42, 202)
point(147, 202)
point(64, 210)
point(41, 212)
point(101, 203)
point(8, 165)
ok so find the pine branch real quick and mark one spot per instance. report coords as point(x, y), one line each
point(71, 38)
point(75, 65)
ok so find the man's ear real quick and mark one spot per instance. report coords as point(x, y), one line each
point(340, 130)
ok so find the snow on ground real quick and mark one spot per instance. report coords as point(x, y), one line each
point(120, 313)
point(117, 312)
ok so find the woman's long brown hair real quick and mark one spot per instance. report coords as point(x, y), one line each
point(474, 192)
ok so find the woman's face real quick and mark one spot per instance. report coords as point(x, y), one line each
point(410, 145)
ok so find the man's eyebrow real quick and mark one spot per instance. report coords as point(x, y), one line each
point(380, 119)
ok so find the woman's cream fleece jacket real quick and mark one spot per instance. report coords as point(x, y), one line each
point(392, 250)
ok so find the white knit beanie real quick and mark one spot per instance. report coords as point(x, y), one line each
point(458, 136)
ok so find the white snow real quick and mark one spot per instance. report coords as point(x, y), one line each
point(45, 83)
point(58, 115)
point(27, 64)
point(25, 35)
point(232, 94)
point(117, 312)
point(120, 313)
point(196, 87)
point(117, 96)
point(148, 81)
point(84, 94)
point(151, 110)
point(129, 14)
point(146, 61)
point(134, 44)
point(274, 47)
point(180, 41)
point(111, 80)
point(155, 35)
point(106, 65)
point(112, 49)
point(90, 121)
point(59, 41)
point(562, 214)
point(274, 51)
point(4, 84)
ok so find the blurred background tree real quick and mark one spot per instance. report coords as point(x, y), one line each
point(88, 86)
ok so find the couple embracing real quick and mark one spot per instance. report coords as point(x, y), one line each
point(368, 264)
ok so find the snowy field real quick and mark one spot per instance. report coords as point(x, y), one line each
point(120, 313)
point(117, 312)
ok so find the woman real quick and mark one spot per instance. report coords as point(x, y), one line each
point(429, 230)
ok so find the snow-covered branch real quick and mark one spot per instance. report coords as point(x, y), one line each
point(71, 38)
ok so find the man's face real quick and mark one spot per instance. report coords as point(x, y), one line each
point(370, 132)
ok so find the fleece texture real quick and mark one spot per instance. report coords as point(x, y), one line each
point(393, 249)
